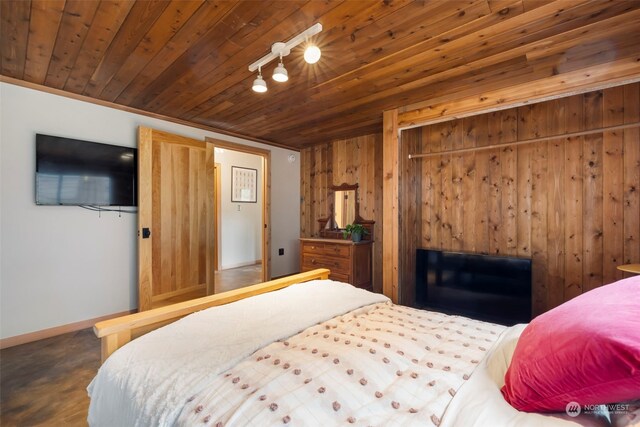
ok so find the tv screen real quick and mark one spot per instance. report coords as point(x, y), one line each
point(74, 172)
point(486, 287)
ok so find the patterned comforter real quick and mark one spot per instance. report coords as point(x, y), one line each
point(381, 364)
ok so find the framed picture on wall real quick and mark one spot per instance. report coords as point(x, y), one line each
point(244, 185)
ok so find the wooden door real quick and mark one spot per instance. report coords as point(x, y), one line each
point(175, 218)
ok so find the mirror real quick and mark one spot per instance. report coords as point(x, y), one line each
point(344, 206)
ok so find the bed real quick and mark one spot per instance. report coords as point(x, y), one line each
point(305, 350)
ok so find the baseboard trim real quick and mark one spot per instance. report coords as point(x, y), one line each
point(58, 330)
point(239, 265)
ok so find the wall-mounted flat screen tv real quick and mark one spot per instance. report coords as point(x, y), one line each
point(75, 172)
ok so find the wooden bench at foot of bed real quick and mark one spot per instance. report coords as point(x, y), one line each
point(115, 333)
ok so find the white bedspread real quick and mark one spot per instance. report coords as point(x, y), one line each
point(144, 382)
point(381, 365)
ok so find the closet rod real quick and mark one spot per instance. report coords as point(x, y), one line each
point(528, 141)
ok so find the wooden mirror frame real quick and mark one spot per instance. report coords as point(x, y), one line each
point(333, 233)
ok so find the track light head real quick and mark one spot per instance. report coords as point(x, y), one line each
point(280, 73)
point(259, 85)
point(312, 54)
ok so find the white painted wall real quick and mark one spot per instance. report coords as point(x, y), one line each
point(241, 223)
point(61, 264)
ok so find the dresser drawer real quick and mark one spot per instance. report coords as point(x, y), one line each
point(337, 265)
point(340, 277)
point(314, 248)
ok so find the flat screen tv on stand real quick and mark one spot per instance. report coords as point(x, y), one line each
point(485, 287)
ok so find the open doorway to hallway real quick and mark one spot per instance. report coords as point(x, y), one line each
point(240, 216)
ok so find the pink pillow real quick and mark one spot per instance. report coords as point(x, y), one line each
point(586, 351)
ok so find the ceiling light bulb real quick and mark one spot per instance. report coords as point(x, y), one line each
point(280, 73)
point(259, 85)
point(312, 54)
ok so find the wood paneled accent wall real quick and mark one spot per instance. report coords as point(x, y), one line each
point(572, 204)
point(353, 161)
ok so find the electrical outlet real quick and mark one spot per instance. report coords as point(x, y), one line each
point(281, 251)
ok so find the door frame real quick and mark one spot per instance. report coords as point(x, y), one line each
point(266, 196)
point(216, 216)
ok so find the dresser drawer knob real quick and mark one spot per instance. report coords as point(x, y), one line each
point(313, 261)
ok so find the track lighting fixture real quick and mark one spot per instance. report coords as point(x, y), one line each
point(280, 50)
point(259, 85)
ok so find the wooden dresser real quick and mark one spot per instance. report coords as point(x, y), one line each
point(348, 261)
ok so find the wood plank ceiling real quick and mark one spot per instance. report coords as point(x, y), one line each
point(188, 59)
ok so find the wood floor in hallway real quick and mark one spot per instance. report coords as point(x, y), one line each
point(44, 382)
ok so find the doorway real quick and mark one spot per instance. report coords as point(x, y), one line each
point(242, 220)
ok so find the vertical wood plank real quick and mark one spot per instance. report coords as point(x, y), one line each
point(494, 130)
point(631, 203)
point(494, 219)
point(556, 118)
point(457, 183)
point(208, 191)
point(446, 185)
point(508, 163)
point(539, 174)
point(266, 216)
point(482, 184)
point(428, 214)
point(305, 185)
point(145, 267)
point(592, 218)
point(573, 197)
point(525, 154)
point(390, 213)
point(409, 206)
point(612, 183)
point(193, 239)
point(469, 197)
point(180, 220)
point(435, 172)
point(379, 182)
